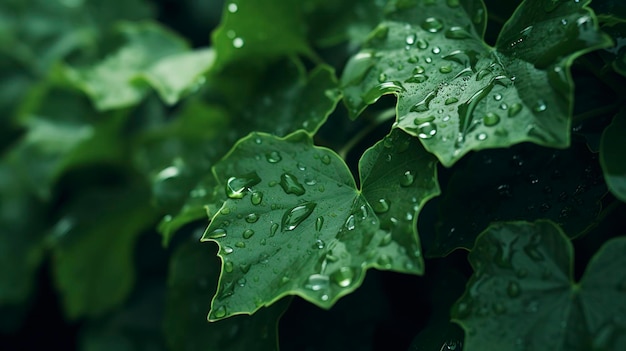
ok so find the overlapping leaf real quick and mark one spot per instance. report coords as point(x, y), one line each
point(192, 277)
point(295, 223)
point(458, 94)
point(522, 296)
point(151, 56)
point(612, 157)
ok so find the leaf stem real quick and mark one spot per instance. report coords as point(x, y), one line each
point(375, 122)
point(596, 112)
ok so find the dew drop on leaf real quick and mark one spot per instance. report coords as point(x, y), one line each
point(319, 244)
point(514, 109)
point(417, 78)
point(240, 244)
point(384, 261)
point(228, 250)
point(372, 95)
point(381, 206)
point(350, 223)
point(217, 233)
point(326, 159)
point(426, 130)
point(252, 218)
point(291, 185)
point(256, 197)
point(273, 229)
point(457, 32)
point(293, 217)
point(513, 290)
point(248, 233)
point(410, 39)
point(273, 157)
point(422, 44)
point(408, 178)
point(432, 25)
point(319, 223)
point(236, 187)
point(228, 266)
point(451, 100)
point(540, 106)
point(220, 312)
point(491, 119)
point(317, 282)
point(343, 277)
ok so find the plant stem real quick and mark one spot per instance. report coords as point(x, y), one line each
point(596, 112)
point(375, 122)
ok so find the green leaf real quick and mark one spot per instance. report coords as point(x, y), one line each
point(295, 223)
point(256, 32)
point(526, 182)
point(21, 239)
point(612, 159)
point(522, 296)
point(186, 327)
point(456, 93)
point(93, 249)
point(151, 56)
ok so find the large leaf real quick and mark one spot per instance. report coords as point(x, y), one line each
point(256, 31)
point(193, 276)
point(456, 93)
point(151, 56)
point(524, 182)
point(612, 156)
point(93, 249)
point(522, 296)
point(295, 223)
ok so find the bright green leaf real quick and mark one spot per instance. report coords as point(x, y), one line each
point(522, 296)
point(255, 32)
point(612, 157)
point(93, 249)
point(186, 327)
point(151, 56)
point(526, 182)
point(295, 223)
point(456, 93)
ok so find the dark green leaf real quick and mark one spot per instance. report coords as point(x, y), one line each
point(151, 56)
point(186, 327)
point(612, 157)
point(523, 182)
point(458, 94)
point(93, 249)
point(295, 223)
point(522, 296)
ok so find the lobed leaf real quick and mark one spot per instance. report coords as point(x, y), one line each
point(612, 159)
point(456, 93)
point(295, 223)
point(522, 295)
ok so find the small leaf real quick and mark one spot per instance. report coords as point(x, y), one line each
point(522, 283)
point(151, 56)
point(612, 157)
point(295, 223)
point(186, 327)
point(93, 249)
point(456, 93)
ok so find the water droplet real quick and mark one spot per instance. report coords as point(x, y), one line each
point(217, 234)
point(424, 105)
point(426, 130)
point(326, 159)
point(418, 70)
point(290, 184)
point(428, 59)
point(417, 78)
point(240, 244)
point(350, 225)
point(451, 100)
point(491, 119)
point(273, 229)
point(241, 282)
point(457, 32)
point(372, 95)
point(238, 43)
point(343, 276)
point(382, 78)
point(436, 50)
point(432, 25)
point(248, 233)
point(236, 187)
point(319, 244)
point(228, 266)
point(256, 197)
point(422, 44)
point(513, 290)
point(445, 69)
point(293, 217)
point(410, 39)
point(540, 106)
point(227, 250)
point(273, 157)
point(514, 109)
point(252, 218)
point(244, 268)
point(384, 261)
point(408, 178)
point(232, 7)
point(381, 206)
point(319, 223)
point(317, 282)
point(220, 312)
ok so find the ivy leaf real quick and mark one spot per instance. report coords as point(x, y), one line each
point(186, 327)
point(612, 148)
point(295, 223)
point(93, 249)
point(456, 93)
point(151, 56)
point(256, 32)
point(527, 182)
point(522, 283)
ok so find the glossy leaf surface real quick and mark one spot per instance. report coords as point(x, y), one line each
point(612, 157)
point(522, 296)
point(456, 93)
point(295, 223)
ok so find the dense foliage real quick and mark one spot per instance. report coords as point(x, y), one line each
point(421, 175)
